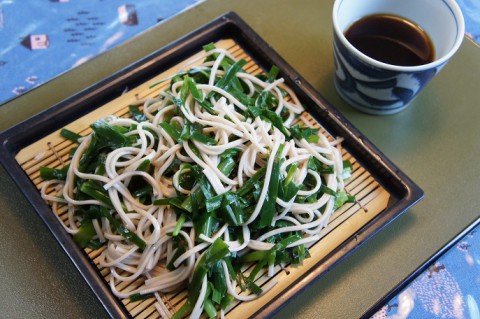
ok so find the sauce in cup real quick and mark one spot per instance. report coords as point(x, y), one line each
point(391, 39)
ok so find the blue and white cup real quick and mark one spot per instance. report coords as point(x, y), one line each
point(379, 88)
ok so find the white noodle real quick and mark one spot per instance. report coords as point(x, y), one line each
point(257, 141)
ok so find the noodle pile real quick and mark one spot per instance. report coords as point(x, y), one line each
point(218, 159)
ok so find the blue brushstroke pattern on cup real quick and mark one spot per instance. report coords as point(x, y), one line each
point(356, 82)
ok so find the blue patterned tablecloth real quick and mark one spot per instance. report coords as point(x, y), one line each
point(471, 13)
point(42, 39)
point(450, 288)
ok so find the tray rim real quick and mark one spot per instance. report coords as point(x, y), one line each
point(406, 193)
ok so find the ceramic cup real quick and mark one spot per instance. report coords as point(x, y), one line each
point(379, 88)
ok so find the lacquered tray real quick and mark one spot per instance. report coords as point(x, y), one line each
point(383, 192)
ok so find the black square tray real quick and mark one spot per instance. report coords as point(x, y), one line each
point(404, 193)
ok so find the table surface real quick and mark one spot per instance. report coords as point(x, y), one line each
point(434, 141)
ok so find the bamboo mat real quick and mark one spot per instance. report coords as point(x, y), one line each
point(372, 199)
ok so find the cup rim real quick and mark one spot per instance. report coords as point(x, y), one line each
point(452, 4)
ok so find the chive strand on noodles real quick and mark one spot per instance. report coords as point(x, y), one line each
point(219, 172)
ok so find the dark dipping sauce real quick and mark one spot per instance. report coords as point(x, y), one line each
point(391, 39)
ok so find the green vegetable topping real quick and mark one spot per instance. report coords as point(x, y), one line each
point(213, 180)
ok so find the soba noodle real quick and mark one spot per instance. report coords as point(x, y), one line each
point(186, 133)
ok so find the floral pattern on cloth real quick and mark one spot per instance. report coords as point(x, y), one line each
point(450, 288)
point(41, 39)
